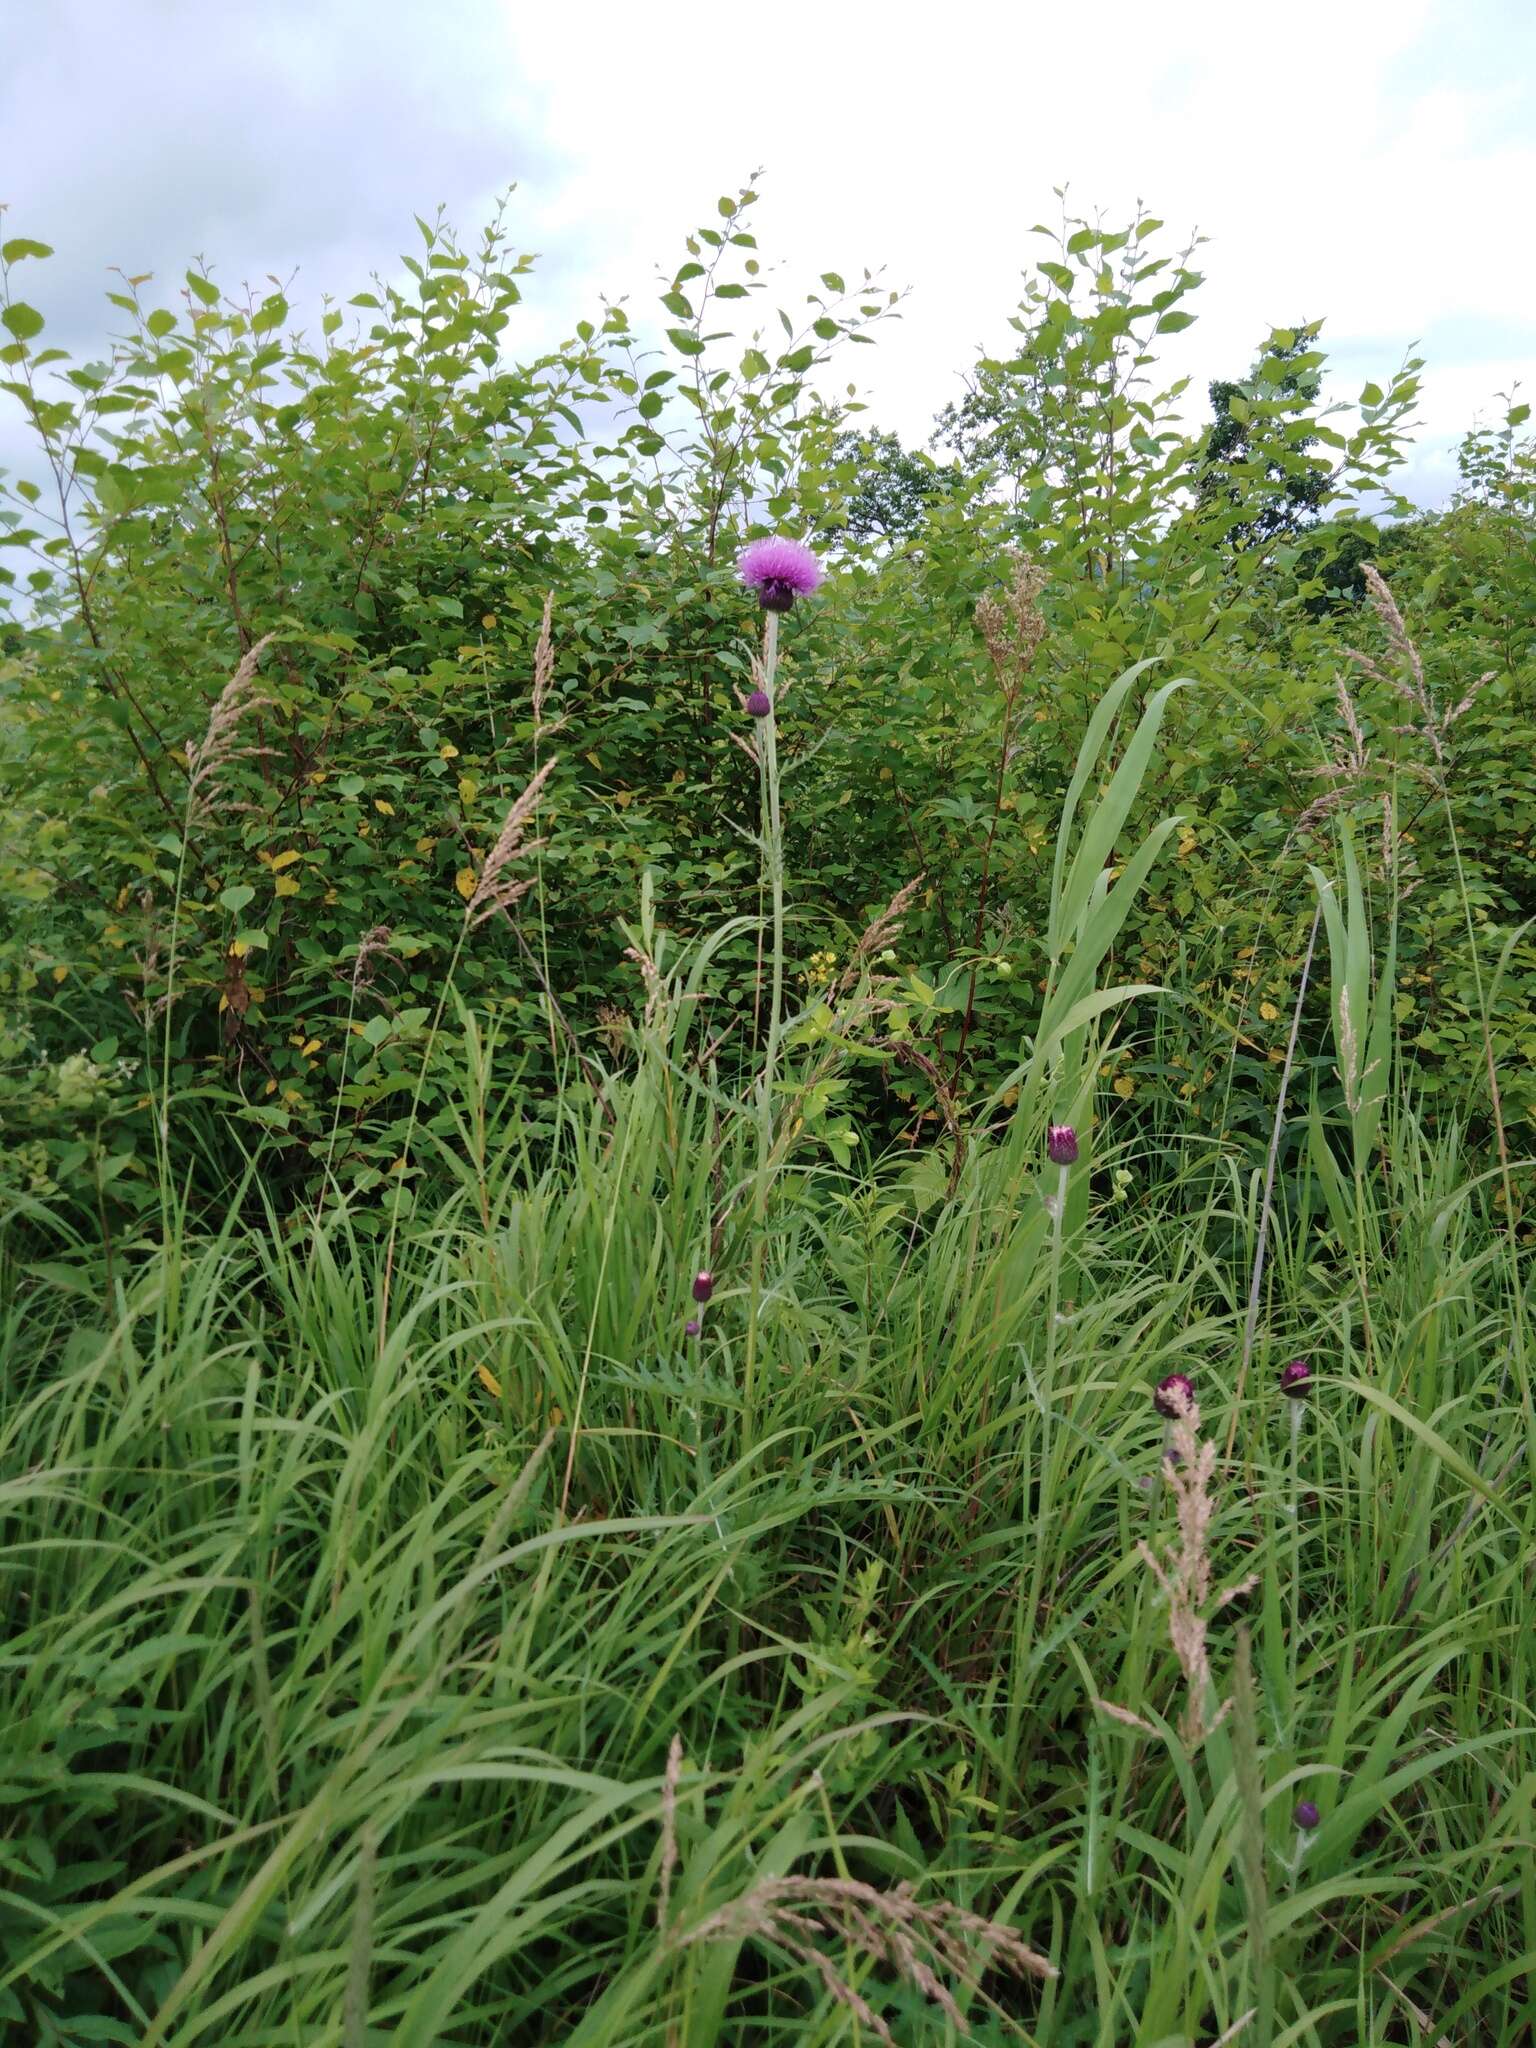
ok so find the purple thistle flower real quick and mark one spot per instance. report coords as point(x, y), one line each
point(759, 704)
point(1173, 1395)
point(1296, 1379)
point(1307, 1816)
point(703, 1285)
point(779, 571)
point(1061, 1145)
point(691, 1327)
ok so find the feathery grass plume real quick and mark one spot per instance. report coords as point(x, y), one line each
point(1185, 1573)
point(922, 1944)
point(217, 747)
point(655, 986)
point(371, 946)
point(613, 1027)
point(496, 890)
point(1412, 686)
point(544, 671)
point(877, 935)
point(669, 1786)
point(1346, 769)
point(1013, 626)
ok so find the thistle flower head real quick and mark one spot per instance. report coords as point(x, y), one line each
point(759, 704)
point(1307, 1816)
point(779, 571)
point(691, 1327)
point(1296, 1379)
point(1173, 1395)
point(1061, 1145)
point(703, 1285)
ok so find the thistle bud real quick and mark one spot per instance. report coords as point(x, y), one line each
point(691, 1327)
point(1307, 1817)
point(1061, 1145)
point(759, 704)
point(1296, 1379)
point(703, 1285)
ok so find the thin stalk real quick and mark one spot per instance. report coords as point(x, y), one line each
point(1256, 1281)
point(772, 842)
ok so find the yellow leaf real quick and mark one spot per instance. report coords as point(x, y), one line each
point(383, 804)
point(1268, 1012)
point(271, 1088)
point(469, 789)
point(624, 798)
point(59, 973)
point(488, 618)
point(312, 1046)
point(286, 885)
point(286, 859)
point(1125, 1087)
point(488, 1380)
point(464, 882)
point(447, 751)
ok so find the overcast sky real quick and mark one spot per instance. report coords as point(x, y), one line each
point(1371, 161)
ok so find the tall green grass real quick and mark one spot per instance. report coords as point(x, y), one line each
point(426, 1640)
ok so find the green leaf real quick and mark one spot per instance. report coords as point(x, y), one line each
point(1175, 323)
point(236, 897)
point(22, 320)
point(19, 248)
point(1058, 274)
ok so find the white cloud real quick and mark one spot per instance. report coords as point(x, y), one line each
point(1372, 161)
point(1333, 168)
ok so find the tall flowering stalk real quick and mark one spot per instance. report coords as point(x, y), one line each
point(778, 571)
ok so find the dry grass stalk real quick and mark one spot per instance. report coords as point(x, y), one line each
point(497, 889)
point(217, 746)
point(544, 671)
point(669, 1787)
point(369, 948)
point(878, 934)
point(1185, 1573)
point(1411, 684)
point(923, 1945)
point(613, 1027)
point(1013, 625)
point(655, 986)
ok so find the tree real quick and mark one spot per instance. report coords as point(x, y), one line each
point(890, 487)
point(1257, 458)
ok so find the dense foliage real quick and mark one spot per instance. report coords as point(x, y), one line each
point(569, 1468)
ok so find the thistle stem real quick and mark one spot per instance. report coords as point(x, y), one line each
point(772, 842)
